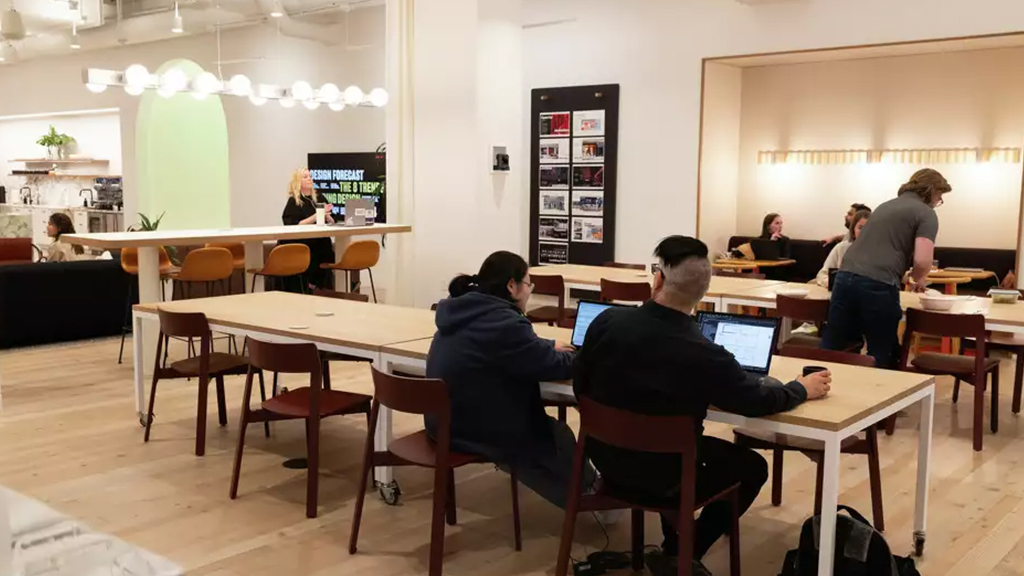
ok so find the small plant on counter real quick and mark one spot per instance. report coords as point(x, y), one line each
point(56, 144)
point(148, 225)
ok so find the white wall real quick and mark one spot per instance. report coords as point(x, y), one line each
point(720, 158)
point(653, 49)
point(951, 100)
point(266, 143)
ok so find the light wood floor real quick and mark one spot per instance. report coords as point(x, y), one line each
point(70, 438)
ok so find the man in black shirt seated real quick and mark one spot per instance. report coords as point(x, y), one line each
point(654, 360)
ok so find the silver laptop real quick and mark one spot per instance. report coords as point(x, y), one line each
point(751, 339)
point(585, 314)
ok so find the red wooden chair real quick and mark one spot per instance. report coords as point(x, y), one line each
point(310, 403)
point(660, 434)
point(206, 365)
point(624, 266)
point(612, 291)
point(974, 371)
point(557, 315)
point(814, 449)
point(421, 396)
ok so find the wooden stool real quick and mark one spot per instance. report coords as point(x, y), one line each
point(285, 261)
point(237, 250)
point(361, 255)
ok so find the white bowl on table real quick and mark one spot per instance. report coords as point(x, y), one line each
point(793, 292)
point(937, 302)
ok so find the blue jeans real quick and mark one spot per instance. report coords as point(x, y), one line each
point(863, 309)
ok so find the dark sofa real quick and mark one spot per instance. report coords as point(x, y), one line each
point(51, 302)
point(810, 255)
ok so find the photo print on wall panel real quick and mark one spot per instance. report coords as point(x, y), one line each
point(552, 228)
point(553, 253)
point(588, 230)
point(554, 151)
point(587, 150)
point(554, 176)
point(588, 203)
point(554, 202)
point(555, 124)
point(587, 176)
point(588, 123)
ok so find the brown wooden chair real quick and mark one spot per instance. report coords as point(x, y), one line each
point(974, 371)
point(624, 266)
point(206, 365)
point(421, 396)
point(779, 444)
point(733, 274)
point(612, 290)
point(361, 255)
point(237, 250)
point(16, 250)
point(326, 356)
point(130, 264)
point(1012, 343)
point(551, 315)
point(310, 403)
point(206, 267)
point(285, 261)
point(814, 311)
point(660, 434)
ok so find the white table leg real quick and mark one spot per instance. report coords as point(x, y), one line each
point(829, 503)
point(383, 436)
point(149, 292)
point(340, 245)
point(924, 456)
point(137, 354)
point(253, 261)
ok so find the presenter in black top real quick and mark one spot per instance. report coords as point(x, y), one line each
point(301, 209)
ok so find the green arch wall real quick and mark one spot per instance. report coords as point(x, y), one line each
point(181, 152)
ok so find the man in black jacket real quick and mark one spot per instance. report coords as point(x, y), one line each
point(654, 360)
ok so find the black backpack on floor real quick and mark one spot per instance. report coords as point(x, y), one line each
point(860, 550)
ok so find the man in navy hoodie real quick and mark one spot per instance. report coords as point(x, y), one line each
point(487, 352)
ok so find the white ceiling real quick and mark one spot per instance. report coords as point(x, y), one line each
point(108, 23)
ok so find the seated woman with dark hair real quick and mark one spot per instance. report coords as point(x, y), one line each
point(58, 251)
point(771, 229)
point(487, 352)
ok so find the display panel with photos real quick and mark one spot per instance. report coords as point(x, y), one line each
point(554, 151)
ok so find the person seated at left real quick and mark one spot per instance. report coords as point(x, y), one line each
point(58, 251)
point(487, 352)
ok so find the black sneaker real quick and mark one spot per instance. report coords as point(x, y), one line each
point(660, 564)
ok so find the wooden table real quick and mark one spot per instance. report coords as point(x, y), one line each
point(354, 328)
point(33, 535)
point(752, 265)
point(972, 274)
point(860, 397)
point(589, 278)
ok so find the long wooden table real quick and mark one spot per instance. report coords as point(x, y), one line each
point(583, 277)
point(353, 328)
point(860, 397)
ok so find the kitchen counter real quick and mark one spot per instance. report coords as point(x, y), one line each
point(19, 206)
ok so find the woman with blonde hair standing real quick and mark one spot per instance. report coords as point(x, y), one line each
point(900, 235)
point(301, 209)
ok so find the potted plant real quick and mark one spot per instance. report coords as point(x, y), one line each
point(56, 144)
point(148, 225)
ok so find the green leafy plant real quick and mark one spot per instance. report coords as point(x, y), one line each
point(146, 224)
point(56, 141)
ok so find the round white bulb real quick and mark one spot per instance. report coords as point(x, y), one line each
point(353, 95)
point(301, 90)
point(96, 88)
point(379, 97)
point(206, 83)
point(174, 80)
point(311, 104)
point(328, 93)
point(134, 90)
point(177, 26)
point(75, 45)
point(337, 106)
point(166, 92)
point(136, 75)
point(287, 102)
point(240, 85)
point(257, 100)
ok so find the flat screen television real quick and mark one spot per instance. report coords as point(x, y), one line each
point(340, 176)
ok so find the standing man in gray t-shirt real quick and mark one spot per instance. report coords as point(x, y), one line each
point(866, 296)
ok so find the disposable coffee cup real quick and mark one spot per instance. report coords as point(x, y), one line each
point(808, 370)
point(321, 218)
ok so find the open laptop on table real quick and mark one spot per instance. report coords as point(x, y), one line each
point(766, 249)
point(585, 314)
point(751, 339)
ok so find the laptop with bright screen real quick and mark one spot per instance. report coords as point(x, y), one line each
point(751, 339)
point(585, 314)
